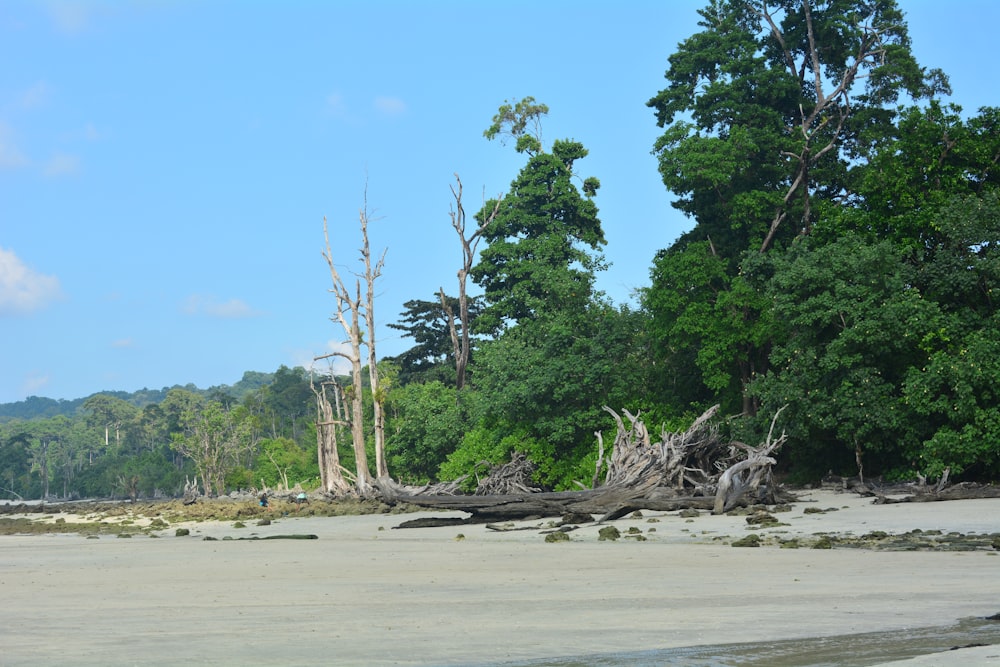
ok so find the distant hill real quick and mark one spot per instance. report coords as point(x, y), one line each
point(38, 407)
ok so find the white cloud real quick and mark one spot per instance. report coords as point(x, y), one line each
point(390, 106)
point(34, 97)
point(209, 306)
point(10, 156)
point(62, 164)
point(22, 289)
point(122, 343)
point(33, 382)
point(336, 104)
point(71, 16)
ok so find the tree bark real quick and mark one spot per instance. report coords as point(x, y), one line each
point(327, 421)
point(461, 342)
point(680, 471)
point(378, 399)
point(348, 315)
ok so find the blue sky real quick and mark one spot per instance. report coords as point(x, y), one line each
point(165, 166)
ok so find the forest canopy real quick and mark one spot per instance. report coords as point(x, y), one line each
point(841, 267)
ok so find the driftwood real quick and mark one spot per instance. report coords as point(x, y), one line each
point(918, 493)
point(190, 491)
point(392, 491)
point(509, 478)
point(693, 469)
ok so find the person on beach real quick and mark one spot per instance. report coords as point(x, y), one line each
point(263, 501)
point(299, 499)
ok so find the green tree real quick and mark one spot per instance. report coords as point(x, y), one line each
point(15, 461)
point(111, 417)
point(283, 463)
point(285, 404)
point(426, 423)
point(543, 385)
point(766, 109)
point(542, 244)
point(931, 156)
point(432, 357)
point(547, 371)
point(217, 440)
point(705, 325)
point(853, 326)
point(766, 105)
point(953, 396)
point(49, 445)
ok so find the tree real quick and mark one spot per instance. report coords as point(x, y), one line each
point(111, 415)
point(780, 97)
point(283, 463)
point(537, 256)
point(853, 327)
point(542, 385)
point(766, 111)
point(460, 332)
point(215, 438)
point(285, 402)
point(49, 446)
point(429, 324)
point(329, 417)
point(932, 156)
point(711, 330)
point(426, 424)
point(350, 310)
point(15, 465)
point(537, 272)
point(953, 395)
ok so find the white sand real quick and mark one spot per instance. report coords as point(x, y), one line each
point(367, 594)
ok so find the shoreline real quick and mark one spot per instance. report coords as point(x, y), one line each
point(365, 592)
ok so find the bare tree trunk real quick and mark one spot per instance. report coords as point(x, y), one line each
point(378, 399)
point(348, 314)
point(461, 345)
point(327, 421)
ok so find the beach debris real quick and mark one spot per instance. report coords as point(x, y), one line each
point(691, 470)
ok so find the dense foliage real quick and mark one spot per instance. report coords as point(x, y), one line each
point(842, 265)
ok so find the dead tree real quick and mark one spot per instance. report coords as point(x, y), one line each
point(373, 273)
point(677, 460)
point(694, 468)
point(348, 314)
point(750, 474)
point(507, 478)
point(328, 418)
point(461, 341)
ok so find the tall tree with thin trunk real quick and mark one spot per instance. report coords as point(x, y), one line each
point(460, 340)
point(347, 313)
point(372, 273)
point(350, 311)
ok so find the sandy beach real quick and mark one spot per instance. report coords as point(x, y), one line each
point(368, 593)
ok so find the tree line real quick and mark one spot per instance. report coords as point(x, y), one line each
point(841, 267)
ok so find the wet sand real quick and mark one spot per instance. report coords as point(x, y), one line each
point(365, 593)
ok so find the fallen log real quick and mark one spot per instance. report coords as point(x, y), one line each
point(693, 469)
point(961, 491)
